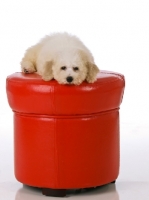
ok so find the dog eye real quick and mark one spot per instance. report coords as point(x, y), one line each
point(75, 68)
point(63, 67)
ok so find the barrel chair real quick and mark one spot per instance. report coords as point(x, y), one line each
point(65, 136)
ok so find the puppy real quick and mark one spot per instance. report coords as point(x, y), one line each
point(63, 57)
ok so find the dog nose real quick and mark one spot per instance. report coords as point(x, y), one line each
point(69, 79)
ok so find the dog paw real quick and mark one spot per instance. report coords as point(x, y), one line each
point(27, 67)
point(47, 78)
point(91, 80)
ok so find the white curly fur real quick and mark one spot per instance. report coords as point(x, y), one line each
point(63, 57)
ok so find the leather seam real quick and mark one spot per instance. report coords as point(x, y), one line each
point(65, 116)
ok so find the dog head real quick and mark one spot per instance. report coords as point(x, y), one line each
point(73, 67)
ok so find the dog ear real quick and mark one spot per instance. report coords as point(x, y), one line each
point(47, 74)
point(92, 72)
point(92, 69)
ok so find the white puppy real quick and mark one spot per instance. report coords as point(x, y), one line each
point(63, 57)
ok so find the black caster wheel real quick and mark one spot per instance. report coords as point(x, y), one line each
point(54, 192)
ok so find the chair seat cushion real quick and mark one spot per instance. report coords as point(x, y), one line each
point(28, 93)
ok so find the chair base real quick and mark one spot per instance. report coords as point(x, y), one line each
point(54, 192)
point(113, 181)
point(63, 192)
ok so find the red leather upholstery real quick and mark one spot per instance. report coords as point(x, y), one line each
point(66, 136)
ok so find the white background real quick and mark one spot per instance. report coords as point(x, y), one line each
point(117, 33)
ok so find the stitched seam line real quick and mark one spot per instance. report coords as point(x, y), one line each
point(65, 116)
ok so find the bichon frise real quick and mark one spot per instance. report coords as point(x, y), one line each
point(63, 57)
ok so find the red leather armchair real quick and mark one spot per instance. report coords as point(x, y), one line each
point(65, 137)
